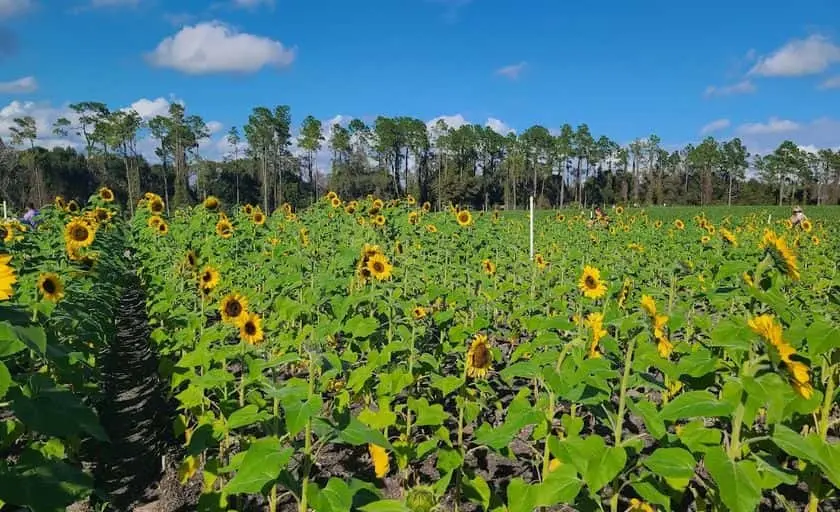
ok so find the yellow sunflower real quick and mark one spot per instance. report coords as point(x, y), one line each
point(590, 283)
point(7, 233)
point(234, 308)
point(729, 236)
point(637, 505)
point(679, 224)
point(815, 240)
point(7, 277)
point(479, 357)
point(619, 210)
point(304, 237)
point(464, 218)
point(60, 203)
point(331, 195)
point(250, 328)
point(224, 228)
point(154, 221)
point(258, 217)
point(156, 206)
point(350, 208)
point(782, 255)
point(806, 225)
point(540, 261)
point(102, 214)
point(431, 228)
point(163, 228)
point(50, 286)
point(378, 204)
point(335, 202)
point(624, 293)
point(209, 277)
point(410, 200)
point(427, 206)
point(649, 305)
point(489, 267)
point(248, 209)
point(78, 233)
point(379, 267)
point(378, 220)
point(595, 323)
point(418, 313)
point(106, 194)
point(657, 224)
point(379, 457)
point(211, 203)
point(72, 206)
point(705, 239)
point(413, 217)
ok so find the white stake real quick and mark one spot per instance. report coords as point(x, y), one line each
point(769, 217)
point(532, 226)
point(4, 211)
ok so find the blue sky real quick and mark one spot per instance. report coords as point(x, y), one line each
point(764, 71)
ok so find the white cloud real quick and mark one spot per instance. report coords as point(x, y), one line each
point(512, 71)
point(498, 126)
point(114, 3)
point(454, 121)
point(248, 4)
point(831, 83)
point(214, 127)
point(19, 86)
point(148, 109)
point(773, 125)
point(716, 125)
point(743, 87)
point(214, 47)
point(9, 8)
point(799, 57)
point(823, 132)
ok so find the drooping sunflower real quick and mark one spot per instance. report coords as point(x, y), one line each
point(234, 308)
point(51, 286)
point(163, 228)
point(806, 225)
point(464, 218)
point(540, 261)
point(258, 217)
point(624, 292)
point(106, 194)
point(304, 236)
point(479, 357)
point(489, 267)
point(590, 283)
point(7, 277)
point(413, 218)
point(418, 313)
point(7, 233)
point(154, 221)
point(156, 206)
point(60, 203)
point(78, 233)
point(209, 277)
point(595, 323)
point(248, 209)
point(379, 267)
point(211, 203)
point(649, 305)
point(191, 259)
point(782, 255)
point(379, 457)
point(679, 224)
point(728, 236)
point(224, 228)
point(250, 328)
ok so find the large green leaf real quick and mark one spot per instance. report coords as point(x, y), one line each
point(671, 463)
point(738, 483)
point(55, 411)
point(43, 485)
point(694, 404)
point(822, 337)
point(647, 410)
point(336, 496)
point(298, 413)
point(812, 449)
point(10, 343)
point(263, 462)
point(245, 416)
point(731, 335)
point(385, 506)
point(361, 327)
point(5, 379)
point(427, 415)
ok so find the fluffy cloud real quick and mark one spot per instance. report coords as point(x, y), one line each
point(799, 57)
point(831, 83)
point(150, 108)
point(823, 132)
point(743, 87)
point(214, 47)
point(20, 86)
point(773, 125)
point(9, 8)
point(715, 126)
point(512, 71)
point(498, 126)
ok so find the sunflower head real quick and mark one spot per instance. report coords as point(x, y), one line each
point(540, 261)
point(163, 228)
point(51, 287)
point(224, 228)
point(211, 203)
point(72, 206)
point(379, 220)
point(806, 225)
point(378, 204)
point(78, 233)
point(413, 217)
point(379, 267)
point(657, 224)
point(258, 217)
point(427, 206)
point(60, 203)
point(464, 218)
point(248, 209)
point(705, 239)
point(728, 236)
point(154, 221)
point(233, 308)
point(7, 233)
point(479, 357)
point(418, 313)
point(102, 214)
point(106, 194)
point(7, 277)
point(209, 277)
point(489, 267)
point(649, 305)
point(431, 228)
point(156, 206)
point(782, 254)
point(335, 202)
point(331, 195)
point(679, 224)
point(191, 259)
point(619, 210)
point(350, 208)
point(250, 328)
point(590, 283)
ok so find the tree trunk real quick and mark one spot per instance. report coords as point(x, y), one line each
point(729, 201)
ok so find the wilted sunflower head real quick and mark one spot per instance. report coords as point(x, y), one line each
point(211, 203)
point(51, 287)
point(464, 218)
point(106, 194)
point(479, 357)
point(234, 308)
point(224, 228)
point(191, 259)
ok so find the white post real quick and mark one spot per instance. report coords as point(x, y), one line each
point(531, 227)
point(4, 211)
point(769, 217)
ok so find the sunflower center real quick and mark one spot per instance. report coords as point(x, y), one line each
point(207, 277)
point(481, 356)
point(378, 267)
point(79, 233)
point(250, 328)
point(50, 286)
point(233, 308)
point(590, 282)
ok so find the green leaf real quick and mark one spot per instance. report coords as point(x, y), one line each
point(361, 327)
point(385, 506)
point(42, 484)
point(5, 379)
point(245, 416)
point(427, 415)
point(647, 410)
point(298, 413)
point(336, 496)
point(812, 449)
point(671, 463)
point(651, 493)
point(477, 491)
point(380, 420)
point(822, 337)
point(520, 414)
point(601, 470)
point(731, 335)
point(10, 343)
point(693, 404)
point(355, 433)
point(263, 462)
point(739, 484)
point(560, 486)
point(697, 437)
point(56, 411)
point(33, 337)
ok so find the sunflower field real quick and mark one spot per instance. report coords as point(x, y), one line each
point(373, 355)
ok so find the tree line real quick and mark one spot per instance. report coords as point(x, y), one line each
point(470, 164)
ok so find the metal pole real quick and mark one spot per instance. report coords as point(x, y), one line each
point(531, 228)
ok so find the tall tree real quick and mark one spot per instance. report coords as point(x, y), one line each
point(25, 129)
point(234, 139)
point(735, 159)
point(310, 140)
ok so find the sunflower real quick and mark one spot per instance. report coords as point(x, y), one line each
point(102, 214)
point(560, 217)
point(431, 228)
point(748, 279)
point(248, 209)
point(154, 221)
point(590, 283)
point(619, 210)
point(51, 287)
point(398, 247)
point(335, 202)
point(224, 228)
point(250, 328)
point(427, 206)
point(767, 327)
point(209, 277)
point(479, 357)
point(234, 308)
point(106, 194)
point(258, 217)
point(705, 239)
point(410, 200)
point(379, 220)
point(464, 218)
point(595, 323)
point(782, 255)
point(540, 261)
point(379, 267)
point(304, 237)
point(379, 457)
point(657, 224)
point(331, 195)
point(7, 277)
point(7, 233)
point(361, 221)
point(191, 259)
point(710, 229)
point(60, 203)
point(156, 205)
point(729, 236)
point(413, 217)
point(163, 228)
point(378, 204)
point(625, 291)
point(211, 203)
point(679, 224)
point(489, 267)
point(350, 208)
point(815, 240)
point(72, 206)
point(418, 313)
point(78, 233)
point(807, 226)
point(637, 505)
point(649, 305)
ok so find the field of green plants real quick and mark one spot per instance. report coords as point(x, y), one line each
point(372, 355)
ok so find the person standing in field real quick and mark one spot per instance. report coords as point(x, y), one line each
point(31, 213)
point(797, 217)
